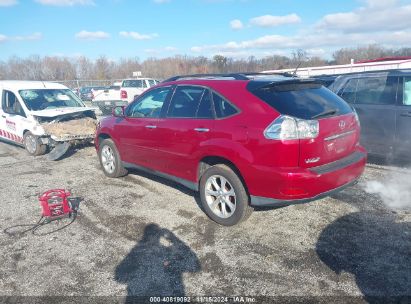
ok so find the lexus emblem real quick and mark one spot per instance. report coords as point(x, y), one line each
point(342, 124)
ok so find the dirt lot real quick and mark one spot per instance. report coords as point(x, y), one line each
point(142, 235)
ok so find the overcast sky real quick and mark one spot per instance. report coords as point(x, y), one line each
point(234, 28)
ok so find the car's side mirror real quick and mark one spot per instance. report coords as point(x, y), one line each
point(118, 112)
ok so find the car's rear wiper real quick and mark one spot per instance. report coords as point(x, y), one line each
point(325, 113)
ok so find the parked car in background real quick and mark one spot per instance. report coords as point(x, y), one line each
point(383, 103)
point(85, 93)
point(131, 88)
point(108, 98)
point(240, 140)
point(326, 80)
point(44, 115)
point(107, 93)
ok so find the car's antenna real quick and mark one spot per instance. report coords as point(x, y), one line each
point(44, 85)
point(296, 69)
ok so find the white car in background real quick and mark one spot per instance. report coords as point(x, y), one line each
point(107, 93)
point(44, 115)
point(133, 87)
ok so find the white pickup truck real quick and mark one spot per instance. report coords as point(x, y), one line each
point(133, 87)
point(120, 93)
point(44, 116)
point(107, 93)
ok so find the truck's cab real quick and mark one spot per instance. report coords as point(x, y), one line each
point(131, 88)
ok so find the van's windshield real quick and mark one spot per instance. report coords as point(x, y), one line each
point(41, 99)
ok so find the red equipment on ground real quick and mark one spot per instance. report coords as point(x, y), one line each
point(55, 204)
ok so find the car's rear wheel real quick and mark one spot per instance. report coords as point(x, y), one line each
point(110, 159)
point(223, 196)
point(33, 144)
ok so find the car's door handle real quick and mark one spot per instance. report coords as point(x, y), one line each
point(4, 116)
point(201, 129)
point(151, 127)
point(407, 114)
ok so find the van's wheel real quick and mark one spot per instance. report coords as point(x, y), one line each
point(33, 144)
point(110, 159)
point(223, 196)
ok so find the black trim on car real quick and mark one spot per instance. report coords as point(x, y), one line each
point(339, 164)
point(190, 185)
point(259, 201)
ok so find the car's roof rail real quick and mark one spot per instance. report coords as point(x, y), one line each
point(285, 74)
point(236, 76)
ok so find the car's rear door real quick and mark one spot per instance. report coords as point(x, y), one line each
point(374, 99)
point(138, 132)
point(188, 124)
point(403, 129)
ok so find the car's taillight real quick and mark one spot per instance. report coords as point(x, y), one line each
point(287, 128)
point(123, 94)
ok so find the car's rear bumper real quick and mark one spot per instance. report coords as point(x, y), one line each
point(300, 185)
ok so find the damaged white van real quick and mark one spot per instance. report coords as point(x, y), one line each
point(44, 116)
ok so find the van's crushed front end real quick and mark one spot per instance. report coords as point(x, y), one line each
point(65, 128)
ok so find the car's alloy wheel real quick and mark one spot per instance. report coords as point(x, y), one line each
point(220, 196)
point(108, 160)
point(223, 195)
point(30, 142)
point(33, 145)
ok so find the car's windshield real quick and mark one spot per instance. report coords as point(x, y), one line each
point(40, 99)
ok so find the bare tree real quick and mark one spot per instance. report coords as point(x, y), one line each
point(81, 68)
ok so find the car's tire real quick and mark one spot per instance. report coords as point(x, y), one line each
point(110, 160)
point(223, 196)
point(33, 145)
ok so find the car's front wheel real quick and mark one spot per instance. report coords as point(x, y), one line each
point(110, 159)
point(33, 144)
point(223, 196)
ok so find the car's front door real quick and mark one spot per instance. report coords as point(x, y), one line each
point(403, 136)
point(188, 124)
point(12, 117)
point(138, 132)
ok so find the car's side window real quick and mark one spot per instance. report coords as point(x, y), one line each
point(149, 104)
point(347, 92)
point(377, 90)
point(222, 107)
point(11, 105)
point(205, 108)
point(407, 91)
point(186, 102)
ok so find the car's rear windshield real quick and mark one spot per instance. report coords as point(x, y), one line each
point(303, 100)
point(138, 83)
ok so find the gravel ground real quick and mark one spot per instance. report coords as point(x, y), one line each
point(143, 235)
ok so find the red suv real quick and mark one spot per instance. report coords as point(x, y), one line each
point(241, 140)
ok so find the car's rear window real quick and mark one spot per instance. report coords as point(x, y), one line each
point(303, 100)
